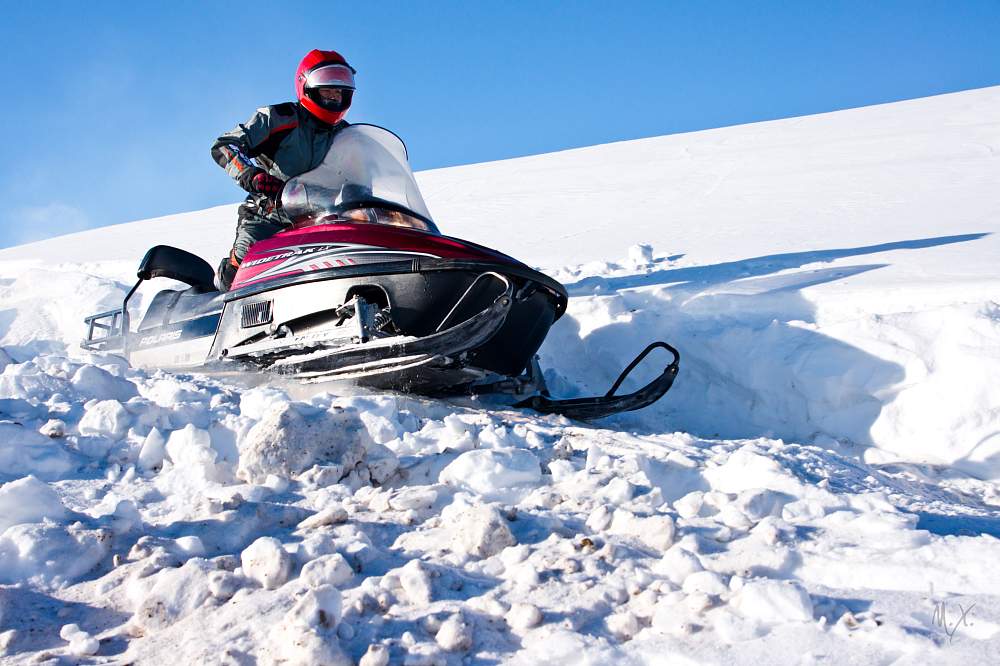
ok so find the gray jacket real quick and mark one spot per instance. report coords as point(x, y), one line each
point(283, 139)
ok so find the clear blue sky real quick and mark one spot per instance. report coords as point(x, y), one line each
point(112, 106)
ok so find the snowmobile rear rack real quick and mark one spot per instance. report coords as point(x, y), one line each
point(114, 324)
point(586, 409)
point(105, 331)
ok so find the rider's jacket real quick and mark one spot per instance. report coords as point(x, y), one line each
point(283, 139)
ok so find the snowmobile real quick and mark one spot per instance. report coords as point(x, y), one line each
point(362, 287)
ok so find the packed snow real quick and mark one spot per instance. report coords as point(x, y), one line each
point(821, 485)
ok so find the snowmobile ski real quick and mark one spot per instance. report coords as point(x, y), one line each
point(586, 409)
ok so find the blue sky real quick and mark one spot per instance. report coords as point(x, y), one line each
point(112, 106)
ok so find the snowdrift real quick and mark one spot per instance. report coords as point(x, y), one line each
point(825, 468)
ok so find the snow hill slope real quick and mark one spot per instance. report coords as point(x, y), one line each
point(822, 481)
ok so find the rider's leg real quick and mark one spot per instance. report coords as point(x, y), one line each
point(251, 226)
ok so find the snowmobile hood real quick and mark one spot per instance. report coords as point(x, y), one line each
point(331, 246)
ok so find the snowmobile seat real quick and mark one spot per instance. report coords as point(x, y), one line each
point(176, 264)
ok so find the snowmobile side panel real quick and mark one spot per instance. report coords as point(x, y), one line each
point(174, 345)
point(181, 354)
point(419, 300)
point(403, 350)
point(174, 305)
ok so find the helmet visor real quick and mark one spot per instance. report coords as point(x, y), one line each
point(335, 104)
point(330, 76)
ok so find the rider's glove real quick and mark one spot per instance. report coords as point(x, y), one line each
point(267, 184)
point(261, 182)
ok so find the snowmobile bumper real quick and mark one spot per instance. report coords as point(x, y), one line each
point(390, 362)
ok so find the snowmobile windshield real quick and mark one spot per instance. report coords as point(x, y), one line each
point(364, 178)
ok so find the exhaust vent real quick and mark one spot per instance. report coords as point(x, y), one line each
point(255, 314)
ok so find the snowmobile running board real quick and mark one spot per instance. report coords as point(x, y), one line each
point(586, 409)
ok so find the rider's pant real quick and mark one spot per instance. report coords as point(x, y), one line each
point(256, 220)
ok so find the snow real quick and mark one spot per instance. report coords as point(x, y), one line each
point(493, 473)
point(477, 530)
point(820, 485)
point(267, 562)
point(28, 500)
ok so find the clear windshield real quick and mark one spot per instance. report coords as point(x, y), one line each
point(364, 178)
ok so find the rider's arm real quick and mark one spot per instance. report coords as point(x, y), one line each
point(234, 151)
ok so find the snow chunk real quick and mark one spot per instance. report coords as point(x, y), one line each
point(175, 593)
point(455, 635)
point(522, 616)
point(190, 546)
point(774, 601)
point(24, 452)
point(677, 564)
point(416, 583)
point(170, 391)
point(287, 442)
point(334, 515)
point(224, 584)
point(376, 655)
point(267, 562)
point(95, 382)
point(477, 530)
point(746, 470)
point(706, 582)
point(106, 418)
point(53, 429)
point(623, 625)
point(257, 403)
point(657, 532)
point(330, 569)
point(27, 380)
point(28, 500)
point(50, 554)
point(599, 519)
point(617, 491)
point(671, 617)
point(190, 450)
point(757, 504)
point(494, 473)
point(690, 505)
point(641, 255)
point(299, 647)
point(81, 644)
point(317, 610)
point(153, 451)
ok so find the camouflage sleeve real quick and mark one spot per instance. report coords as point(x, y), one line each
point(234, 151)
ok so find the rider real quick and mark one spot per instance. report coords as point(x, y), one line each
point(279, 142)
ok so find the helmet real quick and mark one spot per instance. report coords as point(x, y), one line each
point(325, 71)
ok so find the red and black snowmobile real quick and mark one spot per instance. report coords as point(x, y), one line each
point(363, 287)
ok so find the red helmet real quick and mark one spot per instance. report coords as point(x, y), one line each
point(325, 71)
